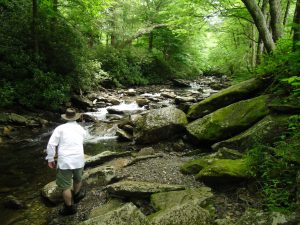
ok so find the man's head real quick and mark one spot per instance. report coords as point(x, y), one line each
point(71, 115)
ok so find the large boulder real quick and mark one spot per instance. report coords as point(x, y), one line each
point(140, 189)
point(165, 200)
point(189, 213)
point(159, 124)
point(225, 171)
point(194, 166)
point(81, 102)
point(124, 215)
point(266, 131)
point(243, 90)
point(229, 121)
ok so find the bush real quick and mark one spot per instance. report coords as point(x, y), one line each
point(7, 95)
point(44, 90)
point(276, 168)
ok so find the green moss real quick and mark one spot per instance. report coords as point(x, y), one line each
point(194, 166)
point(230, 120)
point(225, 97)
point(226, 167)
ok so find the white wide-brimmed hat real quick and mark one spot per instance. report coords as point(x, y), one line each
point(71, 115)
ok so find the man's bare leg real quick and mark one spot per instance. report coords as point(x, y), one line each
point(76, 187)
point(67, 196)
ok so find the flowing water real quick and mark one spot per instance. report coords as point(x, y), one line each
point(24, 170)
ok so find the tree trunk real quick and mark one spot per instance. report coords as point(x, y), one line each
point(260, 45)
point(34, 28)
point(275, 13)
point(261, 25)
point(286, 13)
point(296, 27)
point(253, 47)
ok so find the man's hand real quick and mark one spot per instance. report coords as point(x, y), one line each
point(51, 164)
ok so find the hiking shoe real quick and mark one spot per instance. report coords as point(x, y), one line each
point(68, 210)
point(79, 196)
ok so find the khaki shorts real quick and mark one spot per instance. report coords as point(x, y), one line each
point(65, 178)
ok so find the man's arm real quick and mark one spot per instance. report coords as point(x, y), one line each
point(51, 148)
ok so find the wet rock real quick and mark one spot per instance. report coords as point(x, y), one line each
point(114, 101)
point(115, 111)
point(165, 200)
point(224, 171)
point(139, 189)
point(51, 192)
point(188, 213)
point(124, 215)
point(181, 83)
point(130, 92)
point(229, 121)
point(226, 97)
point(180, 99)
point(159, 124)
point(13, 119)
point(81, 102)
point(101, 175)
point(170, 94)
point(266, 131)
point(11, 202)
point(103, 157)
point(146, 151)
point(142, 102)
point(124, 135)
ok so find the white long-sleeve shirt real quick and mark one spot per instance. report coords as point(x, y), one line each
point(69, 139)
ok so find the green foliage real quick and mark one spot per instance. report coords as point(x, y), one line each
point(276, 176)
point(283, 62)
point(7, 95)
point(134, 66)
point(276, 168)
point(44, 90)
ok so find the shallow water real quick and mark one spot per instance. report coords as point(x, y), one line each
point(24, 170)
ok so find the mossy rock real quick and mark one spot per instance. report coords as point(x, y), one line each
point(113, 204)
point(229, 121)
point(12, 118)
point(124, 215)
point(225, 170)
point(265, 131)
point(194, 166)
point(235, 93)
point(189, 213)
point(160, 124)
point(165, 200)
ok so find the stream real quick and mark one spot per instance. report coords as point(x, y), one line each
point(24, 170)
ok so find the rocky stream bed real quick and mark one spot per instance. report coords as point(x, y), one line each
point(147, 160)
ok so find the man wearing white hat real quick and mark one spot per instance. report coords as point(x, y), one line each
point(68, 139)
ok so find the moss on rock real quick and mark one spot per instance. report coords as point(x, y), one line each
point(226, 97)
point(228, 121)
point(225, 170)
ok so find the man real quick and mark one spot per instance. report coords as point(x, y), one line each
point(68, 139)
